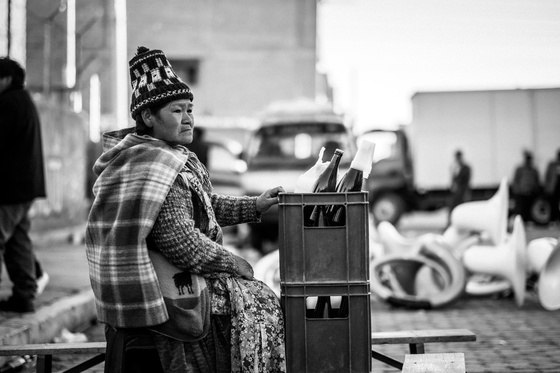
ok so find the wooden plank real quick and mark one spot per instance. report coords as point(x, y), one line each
point(423, 336)
point(434, 363)
point(54, 349)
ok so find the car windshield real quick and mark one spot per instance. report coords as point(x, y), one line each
point(298, 145)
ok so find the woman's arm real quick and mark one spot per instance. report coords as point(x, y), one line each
point(231, 210)
point(178, 237)
point(234, 210)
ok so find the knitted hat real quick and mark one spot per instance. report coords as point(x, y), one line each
point(153, 81)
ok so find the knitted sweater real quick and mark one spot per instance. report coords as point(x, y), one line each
point(186, 230)
point(136, 174)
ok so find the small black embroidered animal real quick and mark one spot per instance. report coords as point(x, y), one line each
point(183, 280)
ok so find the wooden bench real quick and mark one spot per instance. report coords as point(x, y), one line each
point(46, 351)
point(416, 340)
point(435, 363)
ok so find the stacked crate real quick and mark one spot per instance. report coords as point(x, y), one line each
point(325, 261)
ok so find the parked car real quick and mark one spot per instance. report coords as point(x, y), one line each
point(285, 145)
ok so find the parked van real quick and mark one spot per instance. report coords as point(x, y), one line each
point(285, 145)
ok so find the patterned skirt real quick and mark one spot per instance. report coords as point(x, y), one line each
point(247, 333)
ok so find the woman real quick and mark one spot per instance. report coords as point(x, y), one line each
point(153, 195)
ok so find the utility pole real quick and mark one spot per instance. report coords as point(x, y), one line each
point(9, 31)
point(47, 47)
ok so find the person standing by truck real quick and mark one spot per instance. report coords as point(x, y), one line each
point(552, 186)
point(525, 186)
point(460, 181)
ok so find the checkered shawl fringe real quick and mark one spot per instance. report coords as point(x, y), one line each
point(135, 175)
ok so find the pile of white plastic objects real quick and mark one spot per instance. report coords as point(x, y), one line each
point(485, 259)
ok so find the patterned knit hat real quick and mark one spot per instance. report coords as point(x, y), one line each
point(153, 81)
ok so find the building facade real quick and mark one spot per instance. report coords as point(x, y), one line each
point(237, 56)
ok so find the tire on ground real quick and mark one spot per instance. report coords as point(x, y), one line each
point(541, 211)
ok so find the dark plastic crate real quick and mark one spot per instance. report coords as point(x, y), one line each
point(327, 345)
point(323, 254)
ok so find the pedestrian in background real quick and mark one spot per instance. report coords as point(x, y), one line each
point(552, 186)
point(525, 186)
point(460, 189)
point(22, 172)
point(154, 200)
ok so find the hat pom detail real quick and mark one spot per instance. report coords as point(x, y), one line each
point(141, 50)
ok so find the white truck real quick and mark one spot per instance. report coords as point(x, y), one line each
point(492, 128)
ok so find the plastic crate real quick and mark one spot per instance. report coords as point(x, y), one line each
point(327, 344)
point(323, 254)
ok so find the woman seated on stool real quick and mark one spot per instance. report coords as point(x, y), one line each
point(153, 195)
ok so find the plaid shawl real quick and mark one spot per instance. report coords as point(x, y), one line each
point(135, 175)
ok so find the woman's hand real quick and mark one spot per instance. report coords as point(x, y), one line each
point(244, 269)
point(268, 198)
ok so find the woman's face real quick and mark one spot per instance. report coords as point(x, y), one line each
point(174, 122)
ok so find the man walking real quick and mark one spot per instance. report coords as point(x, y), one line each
point(21, 167)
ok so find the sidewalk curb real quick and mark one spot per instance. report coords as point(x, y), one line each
point(42, 326)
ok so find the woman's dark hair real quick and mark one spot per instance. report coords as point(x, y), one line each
point(141, 127)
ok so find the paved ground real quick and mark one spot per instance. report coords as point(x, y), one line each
point(67, 302)
point(510, 338)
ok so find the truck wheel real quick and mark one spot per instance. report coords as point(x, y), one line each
point(387, 207)
point(541, 211)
